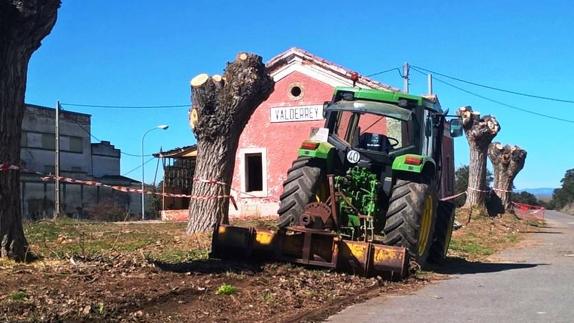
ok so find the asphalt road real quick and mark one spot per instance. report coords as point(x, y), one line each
point(533, 282)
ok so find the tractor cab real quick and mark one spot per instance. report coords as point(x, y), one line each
point(371, 126)
point(376, 122)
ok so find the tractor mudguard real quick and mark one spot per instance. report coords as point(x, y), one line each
point(412, 163)
point(315, 149)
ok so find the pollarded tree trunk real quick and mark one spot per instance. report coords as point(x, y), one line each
point(221, 107)
point(479, 134)
point(23, 24)
point(507, 161)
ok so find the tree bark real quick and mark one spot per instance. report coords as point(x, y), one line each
point(23, 24)
point(221, 107)
point(479, 133)
point(507, 161)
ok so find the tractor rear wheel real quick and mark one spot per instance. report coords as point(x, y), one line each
point(442, 232)
point(301, 187)
point(410, 218)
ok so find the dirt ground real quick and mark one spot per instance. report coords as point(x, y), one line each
point(154, 272)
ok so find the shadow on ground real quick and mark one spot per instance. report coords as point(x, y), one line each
point(543, 232)
point(208, 266)
point(462, 266)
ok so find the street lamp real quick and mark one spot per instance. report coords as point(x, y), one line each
point(162, 127)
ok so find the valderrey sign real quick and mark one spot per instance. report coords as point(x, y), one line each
point(298, 113)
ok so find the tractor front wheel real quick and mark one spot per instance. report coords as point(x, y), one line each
point(410, 218)
point(301, 187)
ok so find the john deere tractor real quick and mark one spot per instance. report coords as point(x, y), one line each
point(363, 194)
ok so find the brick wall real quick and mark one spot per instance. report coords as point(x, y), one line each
point(278, 140)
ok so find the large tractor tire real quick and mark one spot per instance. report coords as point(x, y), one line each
point(442, 232)
point(410, 219)
point(299, 189)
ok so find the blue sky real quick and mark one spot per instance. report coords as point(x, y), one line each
point(145, 53)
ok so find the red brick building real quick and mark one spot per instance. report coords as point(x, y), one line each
point(269, 143)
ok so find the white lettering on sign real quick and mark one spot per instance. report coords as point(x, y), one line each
point(299, 113)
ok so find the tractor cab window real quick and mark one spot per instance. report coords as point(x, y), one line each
point(343, 123)
point(371, 131)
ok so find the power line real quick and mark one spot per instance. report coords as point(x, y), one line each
point(495, 88)
point(139, 166)
point(123, 153)
point(98, 139)
point(84, 129)
point(386, 71)
point(498, 102)
point(134, 155)
point(126, 106)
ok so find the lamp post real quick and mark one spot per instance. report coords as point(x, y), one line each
point(162, 127)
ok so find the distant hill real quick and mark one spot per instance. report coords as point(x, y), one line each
point(539, 192)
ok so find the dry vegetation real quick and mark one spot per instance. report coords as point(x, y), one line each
point(481, 236)
point(154, 272)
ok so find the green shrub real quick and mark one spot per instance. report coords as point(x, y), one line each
point(226, 289)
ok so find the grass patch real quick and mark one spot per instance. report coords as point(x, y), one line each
point(226, 289)
point(470, 247)
point(267, 297)
point(174, 256)
point(65, 238)
point(18, 296)
point(483, 235)
point(257, 222)
point(423, 274)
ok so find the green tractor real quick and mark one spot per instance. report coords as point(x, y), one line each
point(363, 195)
point(387, 157)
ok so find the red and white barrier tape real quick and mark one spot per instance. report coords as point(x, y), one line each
point(528, 212)
point(452, 197)
point(239, 193)
point(114, 187)
point(448, 198)
point(501, 190)
point(7, 166)
point(137, 190)
point(525, 206)
point(4, 167)
point(209, 181)
point(490, 189)
point(477, 190)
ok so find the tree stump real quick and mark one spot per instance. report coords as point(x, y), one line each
point(23, 24)
point(479, 133)
point(507, 161)
point(221, 107)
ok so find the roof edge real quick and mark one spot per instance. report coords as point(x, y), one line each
point(284, 58)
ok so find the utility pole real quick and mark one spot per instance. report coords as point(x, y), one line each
point(429, 83)
point(406, 69)
point(57, 163)
point(143, 179)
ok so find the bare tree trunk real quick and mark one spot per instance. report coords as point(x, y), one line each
point(221, 107)
point(507, 161)
point(23, 24)
point(479, 133)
